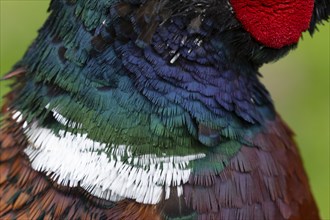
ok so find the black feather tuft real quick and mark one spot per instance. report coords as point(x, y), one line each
point(321, 13)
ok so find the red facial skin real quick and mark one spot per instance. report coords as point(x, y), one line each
point(274, 23)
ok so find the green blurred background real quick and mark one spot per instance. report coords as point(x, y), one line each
point(299, 85)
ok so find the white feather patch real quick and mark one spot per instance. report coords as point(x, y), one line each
point(18, 117)
point(63, 120)
point(77, 160)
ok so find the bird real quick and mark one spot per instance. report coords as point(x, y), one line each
point(154, 109)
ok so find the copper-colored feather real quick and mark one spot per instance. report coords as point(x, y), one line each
point(262, 182)
point(15, 73)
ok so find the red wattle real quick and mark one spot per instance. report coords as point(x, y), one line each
point(274, 23)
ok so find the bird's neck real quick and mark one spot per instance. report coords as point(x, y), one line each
point(181, 77)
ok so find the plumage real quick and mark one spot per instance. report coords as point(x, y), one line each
point(154, 110)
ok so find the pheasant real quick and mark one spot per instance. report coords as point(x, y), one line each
point(153, 109)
